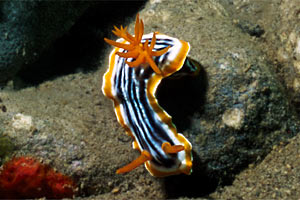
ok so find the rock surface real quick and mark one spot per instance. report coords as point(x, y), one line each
point(27, 28)
point(234, 114)
point(276, 177)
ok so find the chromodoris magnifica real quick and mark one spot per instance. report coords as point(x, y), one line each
point(137, 65)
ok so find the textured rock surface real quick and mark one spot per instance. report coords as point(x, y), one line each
point(245, 110)
point(28, 27)
point(234, 114)
point(281, 41)
point(277, 177)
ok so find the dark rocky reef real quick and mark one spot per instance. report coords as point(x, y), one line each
point(27, 28)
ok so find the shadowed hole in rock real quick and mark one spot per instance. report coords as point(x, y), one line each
point(79, 49)
point(181, 98)
point(198, 184)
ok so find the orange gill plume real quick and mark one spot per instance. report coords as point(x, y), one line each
point(142, 53)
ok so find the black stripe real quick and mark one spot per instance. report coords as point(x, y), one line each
point(155, 133)
point(132, 93)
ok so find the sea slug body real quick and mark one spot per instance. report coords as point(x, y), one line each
point(136, 67)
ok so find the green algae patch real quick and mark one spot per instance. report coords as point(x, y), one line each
point(6, 148)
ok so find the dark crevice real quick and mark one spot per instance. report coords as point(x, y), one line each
point(196, 185)
point(182, 97)
point(81, 47)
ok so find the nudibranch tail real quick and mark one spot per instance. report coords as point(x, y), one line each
point(136, 67)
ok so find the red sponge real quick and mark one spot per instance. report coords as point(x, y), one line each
point(25, 177)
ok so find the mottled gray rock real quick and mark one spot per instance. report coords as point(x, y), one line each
point(28, 27)
point(281, 40)
point(245, 113)
point(234, 114)
point(241, 113)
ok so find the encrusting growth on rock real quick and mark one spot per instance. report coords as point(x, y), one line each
point(27, 178)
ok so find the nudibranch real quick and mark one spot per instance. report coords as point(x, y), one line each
point(137, 65)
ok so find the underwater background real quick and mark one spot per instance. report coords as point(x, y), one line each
point(241, 114)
